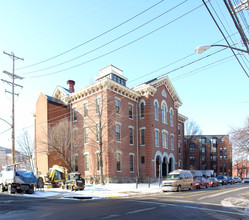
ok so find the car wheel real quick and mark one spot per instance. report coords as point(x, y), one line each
point(179, 189)
point(191, 187)
point(207, 186)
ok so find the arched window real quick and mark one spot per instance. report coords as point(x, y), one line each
point(164, 111)
point(141, 105)
point(165, 139)
point(156, 109)
point(171, 116)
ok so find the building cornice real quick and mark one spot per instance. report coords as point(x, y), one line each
point(182, 118)
point(98, 86)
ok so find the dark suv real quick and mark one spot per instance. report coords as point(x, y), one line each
point(222, 180)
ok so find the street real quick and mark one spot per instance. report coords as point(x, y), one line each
point(196, 204)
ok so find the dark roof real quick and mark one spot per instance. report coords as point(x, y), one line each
point(148, 82)
point(55, 100)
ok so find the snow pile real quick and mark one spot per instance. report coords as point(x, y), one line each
point(239, 201)
point(98, 191)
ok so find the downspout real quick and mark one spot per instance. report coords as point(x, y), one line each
point(137, 115)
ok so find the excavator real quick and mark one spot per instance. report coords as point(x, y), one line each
point(58, 176)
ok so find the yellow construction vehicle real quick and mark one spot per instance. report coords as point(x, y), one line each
point(58, 176)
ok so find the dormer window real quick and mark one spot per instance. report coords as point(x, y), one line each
point(118, 79)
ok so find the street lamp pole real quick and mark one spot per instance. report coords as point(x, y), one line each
point(201, 49)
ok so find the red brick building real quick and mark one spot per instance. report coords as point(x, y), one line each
point(142, 135)
point(208, 152)
point(241, 169)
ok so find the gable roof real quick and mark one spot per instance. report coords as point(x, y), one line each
point(150, 87)
point(60, 91)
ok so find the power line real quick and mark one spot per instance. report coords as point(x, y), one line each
point(97, 48)
point(96, 37)
point(224, 37)
point(103, 55)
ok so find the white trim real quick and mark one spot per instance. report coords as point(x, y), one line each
point(142, 128)
point(117, 98)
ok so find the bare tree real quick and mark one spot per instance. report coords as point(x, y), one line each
point(101, 122)
point(63, 140)
point(26, 146)
point(192, 128)
point(240, 140)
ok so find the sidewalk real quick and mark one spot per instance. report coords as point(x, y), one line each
point(104, 191)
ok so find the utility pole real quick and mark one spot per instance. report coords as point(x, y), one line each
point(13, 76)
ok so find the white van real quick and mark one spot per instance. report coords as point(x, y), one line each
point(178, 180)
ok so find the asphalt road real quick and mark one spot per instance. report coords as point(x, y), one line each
point(196, 204)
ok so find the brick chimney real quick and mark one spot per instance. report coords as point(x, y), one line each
point(71, 84)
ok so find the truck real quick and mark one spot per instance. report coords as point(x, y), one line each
point(58, 176)
point(13, 180)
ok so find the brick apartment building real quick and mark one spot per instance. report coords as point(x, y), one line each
point(143, 133)
point(208, 152)
point(241, 168)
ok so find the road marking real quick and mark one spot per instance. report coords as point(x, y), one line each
point(139, 210)
point(197, 194)
point(192, 207)
point(111, 216)
point(221, 193)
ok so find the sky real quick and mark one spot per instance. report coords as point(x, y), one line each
point(61, 40)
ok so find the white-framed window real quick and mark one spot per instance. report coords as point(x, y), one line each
point(131, 162)
point(131, 135)
point(86, 161)
point(119, 161)
point(142, 136)
point(86, 134)
point(142, 110)
point(156, 109)
point(97, 100)
point(117, 105)
point(97, 132)
point(179, 147)
point(164, 112)
point(130, 111)
point(179, 129)
point(74, 114)
point(165, 139)
point(118, 132)
point(172, 142)
point(76, 164)
point(157, 137)
point(171, 116)
point(98, 161)
point(85, 109)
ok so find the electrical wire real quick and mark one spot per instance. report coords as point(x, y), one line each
point(96, 37)
point(225, 37)
point(97, 48)
point(131, 42)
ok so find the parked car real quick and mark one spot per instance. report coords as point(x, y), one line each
point(246, 180)
point(178, 180)
point(237, 179)
point(222, 180)
point(230, 180)
point(213, 181)
point(201, 183)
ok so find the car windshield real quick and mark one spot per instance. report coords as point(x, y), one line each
point(197, 180)
point(173, 177)
point(220, 177)
point(210, 178)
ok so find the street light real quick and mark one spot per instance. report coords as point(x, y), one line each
point(201, 49)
